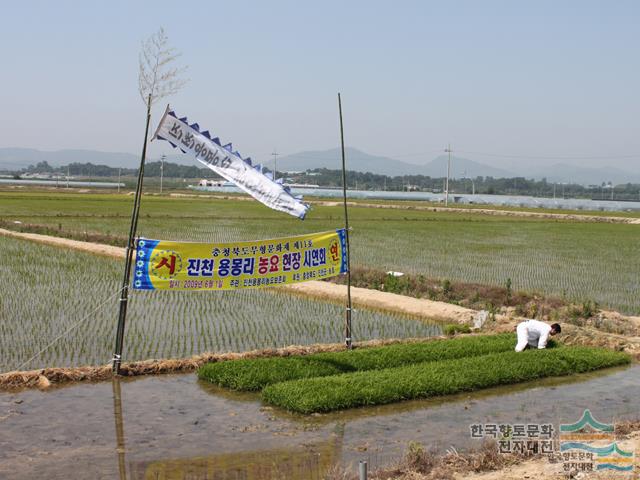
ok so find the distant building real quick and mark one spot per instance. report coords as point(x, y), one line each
point(214, 183)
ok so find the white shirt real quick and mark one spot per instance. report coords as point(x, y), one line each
point(538, 333)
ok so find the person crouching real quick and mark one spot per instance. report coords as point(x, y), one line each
point(535, 334)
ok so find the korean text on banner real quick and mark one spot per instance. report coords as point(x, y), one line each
point(163, 265)
point(229, 164)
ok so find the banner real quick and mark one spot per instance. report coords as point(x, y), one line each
point(163, 265)
point(228, 164)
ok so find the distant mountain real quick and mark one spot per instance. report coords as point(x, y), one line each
point(363, 162)
point(462, 167)
point(18, 158)
point(356, 160)
point(564, 173)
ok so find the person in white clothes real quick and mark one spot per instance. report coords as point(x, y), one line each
point(535, 334)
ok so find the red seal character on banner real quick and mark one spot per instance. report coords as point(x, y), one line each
point(166, 264)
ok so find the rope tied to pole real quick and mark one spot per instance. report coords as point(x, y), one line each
point(71, 328)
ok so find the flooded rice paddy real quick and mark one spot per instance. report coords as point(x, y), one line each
point(47, 291)
point(176, 427)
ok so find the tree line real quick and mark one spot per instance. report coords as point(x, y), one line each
point(370, 181)
point(479, 185)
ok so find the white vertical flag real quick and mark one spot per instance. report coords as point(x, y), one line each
point(228, 164)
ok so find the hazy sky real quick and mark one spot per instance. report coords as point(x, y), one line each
point(536, 78)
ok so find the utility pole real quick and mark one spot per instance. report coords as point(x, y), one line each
point(473, 183)
point(275, 164)
point(119, 179)
point(67, 176)
point(162, 170)
point(446, 190)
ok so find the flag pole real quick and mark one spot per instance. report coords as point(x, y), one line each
point(124, 292)
point(347, 326)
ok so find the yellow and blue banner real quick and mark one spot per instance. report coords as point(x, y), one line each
point(166, 265)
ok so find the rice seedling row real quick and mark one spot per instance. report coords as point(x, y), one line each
point(579, 261)
point(423, 380)
point(255, 374)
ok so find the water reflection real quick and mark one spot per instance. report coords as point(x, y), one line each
point(117, 415)
point(180, 428)
point(306, 462)
point(295, 464)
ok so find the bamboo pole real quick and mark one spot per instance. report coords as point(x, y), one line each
point(124, 295)
point(347, 326)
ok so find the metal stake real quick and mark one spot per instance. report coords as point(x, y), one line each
point(363, 469)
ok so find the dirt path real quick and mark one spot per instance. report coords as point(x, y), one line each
point(95, 248)
point(532, 469)
point(362, 297)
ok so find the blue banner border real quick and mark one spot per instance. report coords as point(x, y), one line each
point(342, 234)
point(141, 279)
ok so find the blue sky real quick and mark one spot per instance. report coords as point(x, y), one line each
point(542, 79)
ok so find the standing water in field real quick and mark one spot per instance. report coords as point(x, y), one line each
point(176, 427)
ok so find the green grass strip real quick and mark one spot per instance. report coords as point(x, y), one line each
point(435, 378)
point(255, 374)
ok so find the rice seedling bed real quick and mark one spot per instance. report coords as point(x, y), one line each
point(255, 374)
point(573, 260)
point(376, 387)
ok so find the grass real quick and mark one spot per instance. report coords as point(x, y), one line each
point(255, 374)
point(571, 260)
point(46, 290)
point(430, 379)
